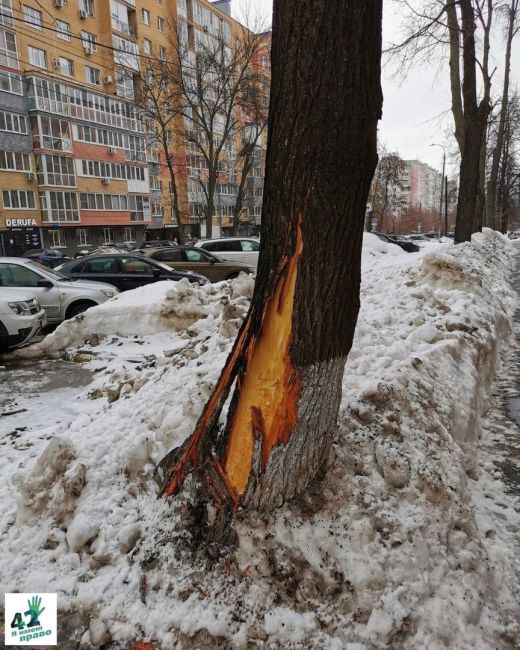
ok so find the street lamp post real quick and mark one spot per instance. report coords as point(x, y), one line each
point(443, 181)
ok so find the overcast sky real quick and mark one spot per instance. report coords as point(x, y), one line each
point(416, 111)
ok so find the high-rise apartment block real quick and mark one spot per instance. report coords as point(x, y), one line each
point(78, 162)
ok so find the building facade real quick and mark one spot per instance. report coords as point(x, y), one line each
point(79, 165)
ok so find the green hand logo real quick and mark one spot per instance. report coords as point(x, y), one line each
point(34, 610)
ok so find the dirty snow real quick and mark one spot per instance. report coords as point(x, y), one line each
point(389, 550)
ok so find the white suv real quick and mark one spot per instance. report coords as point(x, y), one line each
point(237, 249)
point(61, 297)
point(21, 317)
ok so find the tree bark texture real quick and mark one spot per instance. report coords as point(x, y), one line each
point(285, 370)
point(475, 123)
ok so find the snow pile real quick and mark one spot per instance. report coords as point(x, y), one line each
point(158, 307)
point(384, 552)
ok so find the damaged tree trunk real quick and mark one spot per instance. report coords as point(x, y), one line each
point(287, 364)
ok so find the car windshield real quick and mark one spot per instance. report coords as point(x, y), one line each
point(55, 275)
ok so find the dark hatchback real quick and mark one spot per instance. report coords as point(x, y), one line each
point(48, 257)
point(405, 244)
point(125, 271)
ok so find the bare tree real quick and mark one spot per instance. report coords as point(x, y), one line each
point(513, 27)
point(286, 368)
point(158, 98)
point(213, 75)
point(450, 25)
point(385, 190)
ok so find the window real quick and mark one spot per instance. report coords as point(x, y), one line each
point(181, 8)
point(169, 256)
point(53, 133)
point(146, 16)
point(16, 275)
point(162, 53)
point(134, 265)
point(18, 200)
point(66, 66)
point(147, 46)
point(119, 16)
point(92, 75)
point(108, 236)
point(124, 83)
point(89, 41)
point(63, 30)
point(160, 24)
point(83, 236)
point(6, 13)
point(139, 207)
point(99, 136)
point(102, 264)
point(87, 6)
point(11, 83)
point(55, 170)
point(57, 238)
point(106, 202)
point(15, 162)
point(37, 57)
point(59, 207)
point(197, 256)
point(248, 246)
point(129, 234)
point(12, 122)
point(32, 17)
point(8, 52)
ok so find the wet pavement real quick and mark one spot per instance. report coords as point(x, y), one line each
point(501, 437)
point(36, 395)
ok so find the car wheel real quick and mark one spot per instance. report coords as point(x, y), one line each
point(232, 276)
point(78, 308)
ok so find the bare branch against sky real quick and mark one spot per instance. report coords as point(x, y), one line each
point(417, 109)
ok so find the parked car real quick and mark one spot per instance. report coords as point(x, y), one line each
point(60, 297)
point(237, 249)
point(188, 258)
point(156, 243)
point(408, 246)
point(125, 271)
point(418, 237)
point(21, 317)
point(48, 257)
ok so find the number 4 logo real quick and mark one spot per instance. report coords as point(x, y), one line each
point(17, 621)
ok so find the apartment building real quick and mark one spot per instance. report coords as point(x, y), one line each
point(420, 186)
point(79, 165)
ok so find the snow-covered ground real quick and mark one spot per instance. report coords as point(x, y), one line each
point(396, 547)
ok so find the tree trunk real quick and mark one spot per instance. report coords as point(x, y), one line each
point(175, 194)
point(456, 99)
point(287, 363)
point(498, 150)
point(239, 203)
point(475, 121)
point(480, 205)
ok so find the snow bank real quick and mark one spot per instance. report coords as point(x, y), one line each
point(384, 552)
point(158, 307)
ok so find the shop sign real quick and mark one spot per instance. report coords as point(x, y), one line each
point(17, 223)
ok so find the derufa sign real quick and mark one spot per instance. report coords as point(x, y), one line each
point(14, 223)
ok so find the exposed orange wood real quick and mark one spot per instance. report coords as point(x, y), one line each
point(143, 645)
point(190, 454)
point(268, 401)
